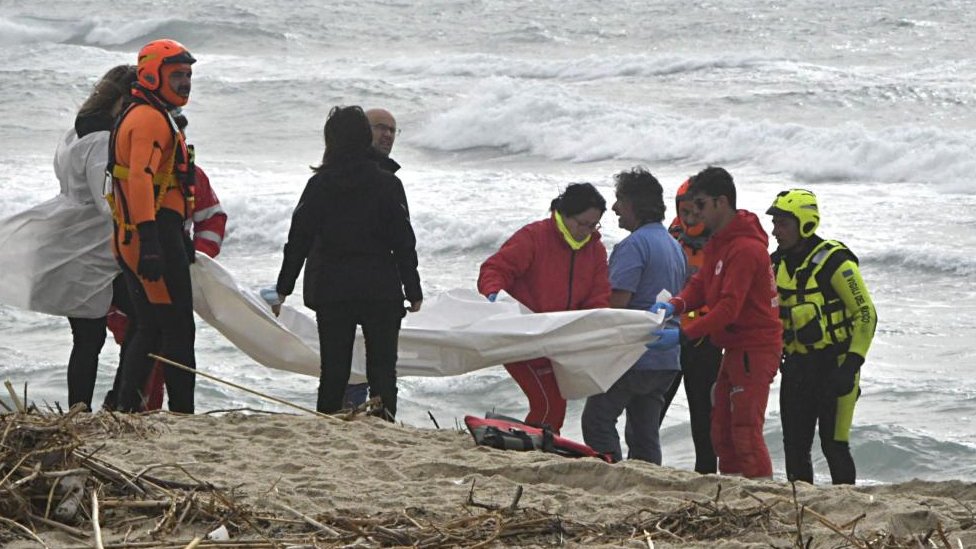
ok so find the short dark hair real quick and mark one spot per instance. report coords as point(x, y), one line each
point(714, 182)
point(347, 136)
point(644, 193)
point(577, 198)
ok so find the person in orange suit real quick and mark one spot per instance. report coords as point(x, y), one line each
point(152, 196)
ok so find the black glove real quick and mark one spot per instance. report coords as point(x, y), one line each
point(191, 251)
point(150, 254)
point(842, 378)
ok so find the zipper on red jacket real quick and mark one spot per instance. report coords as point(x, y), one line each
point(572, 265)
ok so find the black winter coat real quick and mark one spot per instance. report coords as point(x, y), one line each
point(355, 236)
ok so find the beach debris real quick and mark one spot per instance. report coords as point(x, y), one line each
point(195, 371)
point(219, 534)
point(54, 482)
point(433, 419)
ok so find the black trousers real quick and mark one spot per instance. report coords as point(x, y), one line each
point(88, 338)
point(164, 329)
point(699, 368)
point(337, 323)
point(807, 403)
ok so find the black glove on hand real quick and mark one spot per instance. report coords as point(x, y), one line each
point(191, 251)
point(150, 254)
point(842, 378)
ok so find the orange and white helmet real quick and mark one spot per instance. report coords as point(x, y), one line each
point(153, 56)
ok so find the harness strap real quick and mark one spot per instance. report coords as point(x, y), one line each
point(160, 179)
point(180, 173)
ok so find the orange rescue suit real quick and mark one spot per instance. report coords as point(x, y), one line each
point(145, 146)
point(695, 257)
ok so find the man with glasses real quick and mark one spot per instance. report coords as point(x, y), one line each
point(385, 132)
point(641, 265)
point(736, 284)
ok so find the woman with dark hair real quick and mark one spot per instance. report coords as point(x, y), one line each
point(57, 255)
point(361, 259)
point(556, 264)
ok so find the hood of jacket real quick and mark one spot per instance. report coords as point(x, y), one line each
point(745, 224)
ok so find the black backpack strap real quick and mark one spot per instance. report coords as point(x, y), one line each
point(512, 439)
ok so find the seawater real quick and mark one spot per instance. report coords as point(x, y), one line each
point(502, 103)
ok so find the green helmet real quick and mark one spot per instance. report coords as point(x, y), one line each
point(801, 205)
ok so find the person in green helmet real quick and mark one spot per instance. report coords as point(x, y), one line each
point(828, 324)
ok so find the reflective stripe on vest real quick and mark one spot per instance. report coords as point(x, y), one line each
point(813, 317)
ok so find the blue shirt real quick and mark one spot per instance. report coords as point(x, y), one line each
point(644, 263)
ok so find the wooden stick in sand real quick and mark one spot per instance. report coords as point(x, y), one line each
point(242, 388)
point(25, 529)
point(13, 395)
point(308, 519)
point(96, 527)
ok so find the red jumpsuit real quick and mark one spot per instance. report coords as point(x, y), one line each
point(736, 283)
point(537, 267)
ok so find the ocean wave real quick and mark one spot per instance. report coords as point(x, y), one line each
point(552, 122)
point(904, 22)
point(894, 454)
point(959, 263)
point(16, 31)
point(116, 32)
point(256, 223)
point(590, 67)
point(447, 235)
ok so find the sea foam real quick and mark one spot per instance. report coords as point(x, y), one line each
point(540, 120)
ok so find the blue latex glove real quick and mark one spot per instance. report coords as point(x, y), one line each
point(667, 338)
point(667, 307)
point(271, 296)
point(492, 296)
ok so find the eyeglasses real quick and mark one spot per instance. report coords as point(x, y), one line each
point(383, 128)
point(595, 226)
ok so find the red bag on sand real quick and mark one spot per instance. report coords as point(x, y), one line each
point(509, 434)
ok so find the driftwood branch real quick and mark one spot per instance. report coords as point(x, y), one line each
point(316, 524)
point(42, 451)
point(24, 529)
point(96, 527)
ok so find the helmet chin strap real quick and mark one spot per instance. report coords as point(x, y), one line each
point(156, 101)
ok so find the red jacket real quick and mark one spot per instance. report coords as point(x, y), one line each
point(538, 268)
point(736, 283)
point(209, 219)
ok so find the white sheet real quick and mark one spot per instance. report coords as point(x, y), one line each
point(455, 332)
point(56, 258)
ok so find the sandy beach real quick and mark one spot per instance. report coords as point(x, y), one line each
point(326, 469)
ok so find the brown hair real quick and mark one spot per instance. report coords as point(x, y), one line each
point(643, 191)
point(114, 84)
